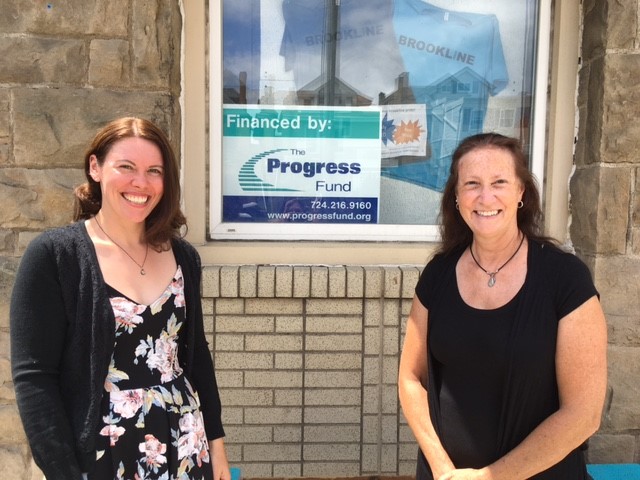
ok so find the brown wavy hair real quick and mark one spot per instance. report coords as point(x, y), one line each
point(454, 232)
point(166, 220)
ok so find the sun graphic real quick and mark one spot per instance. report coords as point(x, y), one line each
point(407, 132)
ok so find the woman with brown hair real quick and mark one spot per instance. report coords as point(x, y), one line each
point(503, 369)
point(112, 372)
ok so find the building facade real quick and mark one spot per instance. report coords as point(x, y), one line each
point(306, 336)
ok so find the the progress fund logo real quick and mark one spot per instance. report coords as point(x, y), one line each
point(249, 180)
point(295, 174)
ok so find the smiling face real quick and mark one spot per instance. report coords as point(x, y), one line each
point(131, 179)
point(488, 192)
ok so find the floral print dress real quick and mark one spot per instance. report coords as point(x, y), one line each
point(152, 425)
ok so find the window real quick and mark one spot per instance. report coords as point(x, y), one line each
point(507, 117)
point(337, 119)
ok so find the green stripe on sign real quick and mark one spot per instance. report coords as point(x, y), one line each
point(347, 124)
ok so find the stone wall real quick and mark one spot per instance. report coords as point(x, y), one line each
point(605, 207)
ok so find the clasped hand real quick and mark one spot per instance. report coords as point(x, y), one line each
point(466, 474)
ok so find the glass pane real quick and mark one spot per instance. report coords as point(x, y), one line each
point(348, 111)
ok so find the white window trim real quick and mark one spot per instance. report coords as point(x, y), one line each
point(559, 154)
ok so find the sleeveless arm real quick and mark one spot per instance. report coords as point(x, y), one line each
point(412, 378)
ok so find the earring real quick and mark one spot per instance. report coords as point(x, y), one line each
point(457, 205)
point(520, 204)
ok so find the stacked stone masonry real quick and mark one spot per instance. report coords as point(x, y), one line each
point(306, 360)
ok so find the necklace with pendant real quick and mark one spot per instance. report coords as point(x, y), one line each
point(492, 275)
point(141, 266)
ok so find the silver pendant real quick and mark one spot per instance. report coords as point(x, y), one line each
point(142, 272)
point(492, 279)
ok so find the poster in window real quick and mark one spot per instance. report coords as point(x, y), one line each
point(303, 164)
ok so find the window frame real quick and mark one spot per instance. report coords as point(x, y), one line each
point(221, 230)
point(197, 146)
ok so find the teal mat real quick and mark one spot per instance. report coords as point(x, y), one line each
point(236, 474)
point(622, 471)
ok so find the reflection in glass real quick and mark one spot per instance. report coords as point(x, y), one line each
point(437, 72)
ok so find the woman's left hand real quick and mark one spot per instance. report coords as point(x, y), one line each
point(219, 460)
point(466, 474)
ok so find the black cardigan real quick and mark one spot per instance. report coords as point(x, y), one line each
point(62, 330)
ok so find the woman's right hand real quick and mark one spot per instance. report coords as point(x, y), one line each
point(466, 474)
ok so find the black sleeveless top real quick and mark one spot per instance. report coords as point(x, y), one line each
point(492, 372)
